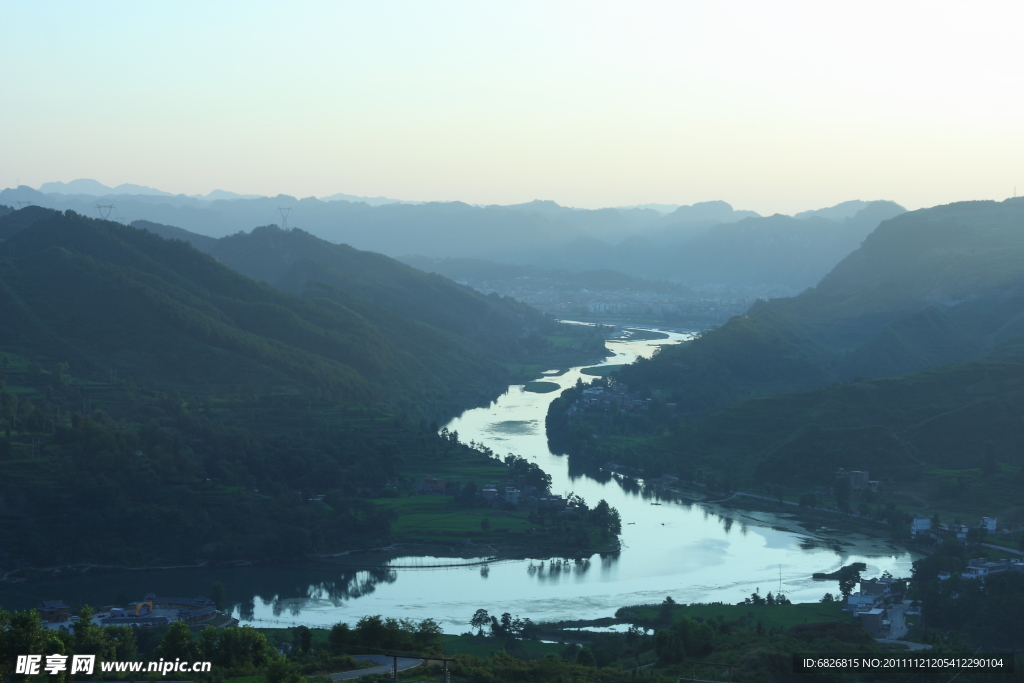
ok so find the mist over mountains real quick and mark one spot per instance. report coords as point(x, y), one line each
point(704, 244)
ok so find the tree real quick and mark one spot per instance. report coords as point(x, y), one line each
point(176, 643)
point(666, 608)
point(90, 639)
point(23, 634)
point(607, 519)
point(827, 598)
point(485, 524)
point(123, 640)
point(848, 582)
point(668, 646)
point(585, 657)
point(339, 637)
point(303, 639)
point(428, 636)
point(480, 619)
point(282, 671)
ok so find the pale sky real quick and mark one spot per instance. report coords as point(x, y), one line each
point(771, 106)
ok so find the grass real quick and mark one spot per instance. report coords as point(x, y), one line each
point(437, 515)
point(481, 646)
point(540, 387)
point(560, 340)
point(480, 470)
point(601, 370)
point(772, 616)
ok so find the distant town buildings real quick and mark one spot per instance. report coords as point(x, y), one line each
point(151, 611)
point(859, 479)
point(922, 527)
point(54, 611)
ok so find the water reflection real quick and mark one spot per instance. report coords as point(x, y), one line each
point(672, 545)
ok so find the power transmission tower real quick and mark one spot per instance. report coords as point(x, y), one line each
point(104, 210)
point(22, 205)
point(284, 211)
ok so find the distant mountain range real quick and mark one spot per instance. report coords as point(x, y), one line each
point(925, 289)
point(906, 360)
point(708, 243)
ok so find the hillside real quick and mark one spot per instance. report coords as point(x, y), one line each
point(906, 361)
point(946, 439)
point(424, 343)
point(926, 288)
point(704, 244)
point(494, 273)
point(158, 406)
point(418, 312)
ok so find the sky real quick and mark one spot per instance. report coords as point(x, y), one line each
point(775, 107)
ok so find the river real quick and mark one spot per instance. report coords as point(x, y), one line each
point(694, 552)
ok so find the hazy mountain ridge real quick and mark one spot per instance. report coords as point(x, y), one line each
point(488, 330)
point(384, 332)
point(873, 315)
point(693, 245)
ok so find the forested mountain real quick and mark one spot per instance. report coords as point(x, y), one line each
point(361, 323)
point(479, 270)
point(929, 287)
point(775, 251)
point(419, 312)
point(906, 361)
point(893, 427)
point(158, 405)
point(707, 243)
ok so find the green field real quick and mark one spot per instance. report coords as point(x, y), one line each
point(601, 370)
point(480, 646)
point(771, 616)
point(438, 517)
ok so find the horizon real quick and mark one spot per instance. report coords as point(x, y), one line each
point(589, 106)
point(389, 200)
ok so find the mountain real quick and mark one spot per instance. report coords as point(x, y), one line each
point(950, 435)
point(838, 213)
point(224, 194)
point(716, 211)
point(753, 253)
point(926, 288)
point(906, 361)
point(402, 336)
point(708, 244)
point(493, 273)
point(157, 405)
point(93, 187)
point(371, 201)
point(663, 209)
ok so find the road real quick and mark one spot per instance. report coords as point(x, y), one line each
point(899, 628)
point(384, 668)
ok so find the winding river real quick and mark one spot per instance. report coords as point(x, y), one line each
point(691, 551)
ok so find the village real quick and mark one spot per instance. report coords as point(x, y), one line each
point(617, 397)
point(152, 611)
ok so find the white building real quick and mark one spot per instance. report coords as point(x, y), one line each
point(920, 526)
